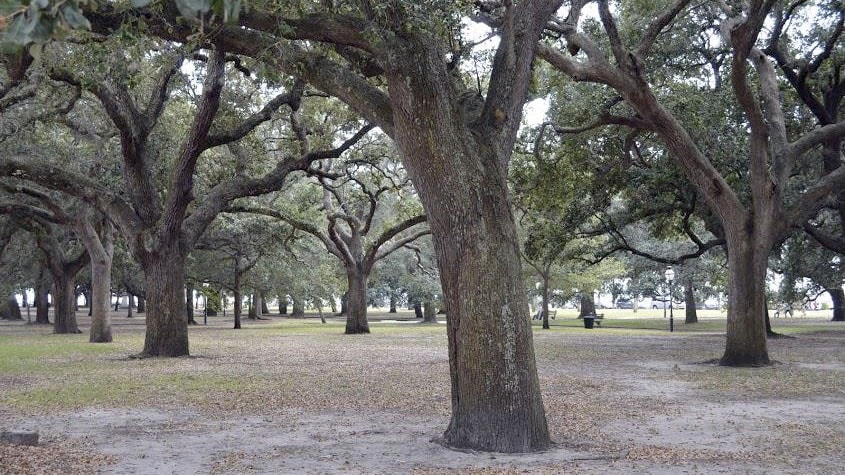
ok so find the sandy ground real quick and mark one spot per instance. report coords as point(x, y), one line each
point(616, 403)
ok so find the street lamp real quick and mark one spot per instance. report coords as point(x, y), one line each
point(670, 276)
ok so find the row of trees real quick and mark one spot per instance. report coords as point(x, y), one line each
point(157, 119)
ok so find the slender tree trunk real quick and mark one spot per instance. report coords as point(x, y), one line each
point(64, 316)
point(429, 313)
point(356, 315)
point(746, 329)
point(131, 300)
point(588, 306)
point(392, 303)
point(164, 284)
point(88, 302)
point(42, 306)
point(283, 304)
point(238, 300)
point(545, 303)
point(418, 311)
point(837, 295)
point(298, 308)
point(142, 305)
point(689, 302)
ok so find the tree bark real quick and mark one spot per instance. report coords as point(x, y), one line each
point(837, 295)
point(11, 311)
point(100, 248)
point(429, 313)
point(167, 325)
point(238, 300)
point(283, 304)
point(588, 307)
point(689, 302)
point(101, 266)
point(64, 316)
point(256, 302)
point(418, 311)
point(356, 311)
point(130, 299)
point(142, 305)
point(42, 306)
point(264, 309)
point(298, 308)
point(746, 329)
point(496, 400)
point(544, 305)
point(392, 303)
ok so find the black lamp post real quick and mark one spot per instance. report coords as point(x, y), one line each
point(670, 276)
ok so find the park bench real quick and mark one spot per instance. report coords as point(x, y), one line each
point(597, 318)
point(539, 315)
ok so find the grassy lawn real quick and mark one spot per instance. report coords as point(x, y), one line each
point(639, 373)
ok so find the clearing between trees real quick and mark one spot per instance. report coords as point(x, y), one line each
point(295, 396)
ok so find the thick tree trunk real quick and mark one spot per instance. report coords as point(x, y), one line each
point(392, 304)
point(746, 329)
point(42, 306)
point(256, 302)
point(689, 302)
point(418, 311)
point(142, 305)
point(283, 304)
point(11, 311)
point(588, 307)
point(100, 299)
point(264, 309)
point(429, 313)
point(167, 325)
point(496, 400)
point(356, 314)
point(64, 316)
point(837, 295)
point(298, 308)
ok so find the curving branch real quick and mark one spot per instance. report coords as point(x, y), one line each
point(374, 251)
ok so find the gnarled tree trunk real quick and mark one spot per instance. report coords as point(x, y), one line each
point(588, 307)
point(746, 328)
point(101, 266)
point(11, 311)
point(356, 310)
point(298, 308)
point(429, 313)
point(837, 295)
point(496, 401)
point(167, 323)
point(64, 315)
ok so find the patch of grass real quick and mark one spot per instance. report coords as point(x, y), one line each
point(37, 353)
point(111, 389)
